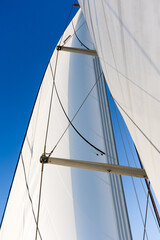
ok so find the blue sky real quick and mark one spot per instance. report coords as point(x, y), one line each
point(29, 32)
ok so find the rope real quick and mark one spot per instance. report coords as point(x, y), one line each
point(70, 121)
point(74, 126)
point(78, 37)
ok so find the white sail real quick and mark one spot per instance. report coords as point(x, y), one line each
point(127, 39)
point(75, 204)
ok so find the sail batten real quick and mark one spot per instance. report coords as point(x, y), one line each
point(77, 50)
point(102, 167)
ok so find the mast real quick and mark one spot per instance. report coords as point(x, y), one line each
point(110, 145)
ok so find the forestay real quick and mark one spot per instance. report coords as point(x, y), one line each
point(126, 35)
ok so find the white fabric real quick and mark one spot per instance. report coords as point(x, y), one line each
point(127, 38)
point(75, 204)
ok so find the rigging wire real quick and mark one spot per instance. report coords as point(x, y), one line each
point(156, 213)
point(150, 193)
point(53, 84)
point(145, 223)
point(49, 114)
point(118, 77)
point(74, 126)
point(29, 195)
point(64, 42)
point(70, 121)
point(137, 126)
point(119, 81)
point(54, 75)
point(39, 200)
point(129, 165)
point(50, 106)
point(156, 221)
point(122, 215)
point(78, 37)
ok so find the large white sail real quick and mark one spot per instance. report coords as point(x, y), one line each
point(127, 40)
point(75, 204)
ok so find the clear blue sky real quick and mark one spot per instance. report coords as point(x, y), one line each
point(29, 32)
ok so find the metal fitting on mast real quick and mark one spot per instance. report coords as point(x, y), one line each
point(43, 159)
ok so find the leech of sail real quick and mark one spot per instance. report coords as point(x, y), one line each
point(77, 50)
point(102, 167)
